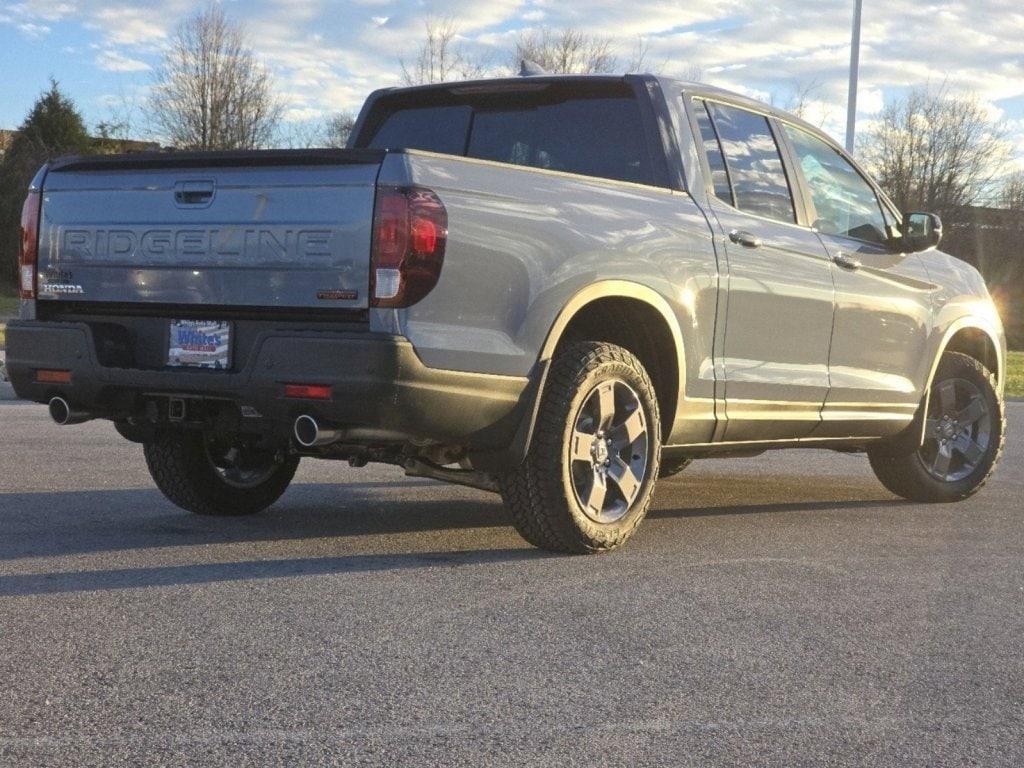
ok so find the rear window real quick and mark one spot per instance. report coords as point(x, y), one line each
point(435, 129)
point(584, 133)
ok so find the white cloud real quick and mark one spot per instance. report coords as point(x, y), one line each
point(327, 55)
point(47, 10)
point(32, 30)
point(130, 26)
point(112, 61)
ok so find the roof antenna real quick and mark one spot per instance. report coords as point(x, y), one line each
point(529, 68)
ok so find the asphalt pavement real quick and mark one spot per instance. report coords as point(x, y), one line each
point(777, 611)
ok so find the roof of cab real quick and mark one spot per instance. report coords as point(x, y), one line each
point(667, 84)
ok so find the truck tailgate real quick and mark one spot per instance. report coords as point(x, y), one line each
point(256, 229)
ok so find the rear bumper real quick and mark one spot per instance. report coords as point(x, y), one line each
point(382, 392)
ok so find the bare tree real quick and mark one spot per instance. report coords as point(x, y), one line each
point(210, 91)
point(640, 61)
point(692, 72)
point(306, 134)
point(1012, 194)
point(800, 100)
point(935, 151)
point(339, 128)
point(570, 51)
point(440, 57)
point(332, 131)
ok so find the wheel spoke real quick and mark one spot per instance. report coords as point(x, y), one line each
point(581, 445)
point(969, 449)
point(598, 490)
point(605, 405)
point(972, 413)
point(947, 397)
point(622, 475)
point(931, 427)
point(626, 433)
point(942, 460)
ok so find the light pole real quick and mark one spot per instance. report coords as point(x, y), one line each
point(851, 100)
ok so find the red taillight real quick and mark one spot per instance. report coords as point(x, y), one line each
point(307, 391)
point(28, 255)
point(47, 376)
point(410, 228)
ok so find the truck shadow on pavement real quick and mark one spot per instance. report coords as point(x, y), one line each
point(351, 516)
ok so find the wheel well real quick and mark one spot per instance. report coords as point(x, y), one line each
point(640, 328)
point(977, 344)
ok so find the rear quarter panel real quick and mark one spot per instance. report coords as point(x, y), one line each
point(522, 243)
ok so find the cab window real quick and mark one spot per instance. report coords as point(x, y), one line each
point(753, 162)
point(845, 204)
point(713, 153)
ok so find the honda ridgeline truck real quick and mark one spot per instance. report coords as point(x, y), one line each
point(557, 288)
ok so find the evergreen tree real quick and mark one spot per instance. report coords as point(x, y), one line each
point(52, 128)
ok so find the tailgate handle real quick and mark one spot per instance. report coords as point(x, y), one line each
point(193, 194)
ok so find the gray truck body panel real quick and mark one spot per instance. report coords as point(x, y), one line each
point(774, 345)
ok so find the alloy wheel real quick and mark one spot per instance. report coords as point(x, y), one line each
point(609, 451)
point(958, 430)
point(240, 467)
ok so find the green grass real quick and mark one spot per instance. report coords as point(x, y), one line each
point(8, 304)
point(1015, 374)
point(8, 309)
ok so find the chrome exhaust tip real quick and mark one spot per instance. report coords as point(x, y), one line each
point(62, 413)
point(310, 434)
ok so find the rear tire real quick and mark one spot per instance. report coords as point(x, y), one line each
point(587, 480)
point(201, 476)
point(964, 429)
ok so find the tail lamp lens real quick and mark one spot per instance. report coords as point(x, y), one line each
point(307, 391)
point(28, 255)
point(47, 376)
point(409, 235)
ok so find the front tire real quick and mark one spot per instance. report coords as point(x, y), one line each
point(208, 477)
point(587, 480)
point(964, 433)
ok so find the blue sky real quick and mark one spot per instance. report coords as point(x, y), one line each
point(326, 56)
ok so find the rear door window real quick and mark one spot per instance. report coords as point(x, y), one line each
point(754, 162)
point(713, 153)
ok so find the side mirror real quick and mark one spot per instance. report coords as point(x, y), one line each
point(921, 231)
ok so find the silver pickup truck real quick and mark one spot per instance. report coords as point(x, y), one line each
point(557, 288)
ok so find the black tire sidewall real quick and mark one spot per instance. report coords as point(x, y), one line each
point(181, 467)
point(959, 367)
point(898, 463)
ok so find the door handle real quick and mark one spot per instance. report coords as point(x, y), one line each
point(193, 194)
point(745, 239)
point(846, 261)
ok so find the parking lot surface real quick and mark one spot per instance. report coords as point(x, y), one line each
point(783, 610)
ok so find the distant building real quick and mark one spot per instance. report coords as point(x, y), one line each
point(101, 146)
point(121, 146)
point(992, 239)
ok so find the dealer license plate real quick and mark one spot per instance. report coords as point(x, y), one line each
point(199, 344)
